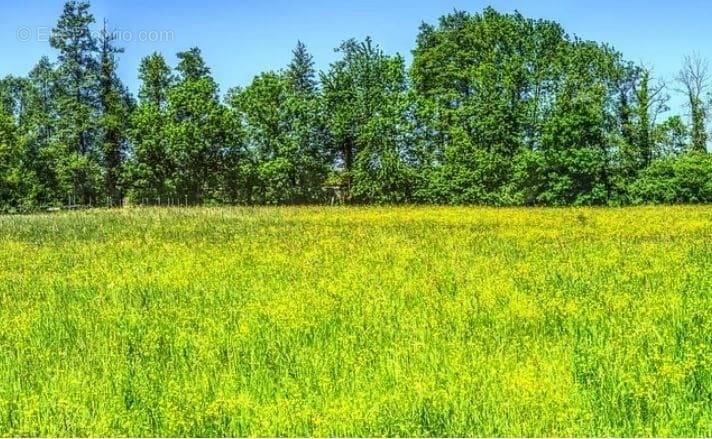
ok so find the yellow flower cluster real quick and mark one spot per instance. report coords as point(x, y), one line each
point(409, 321)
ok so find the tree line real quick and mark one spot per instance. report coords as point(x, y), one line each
point(494, 109)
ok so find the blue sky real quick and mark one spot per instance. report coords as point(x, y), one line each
point(241, 38)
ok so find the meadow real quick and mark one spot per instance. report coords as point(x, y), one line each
point(343, 321)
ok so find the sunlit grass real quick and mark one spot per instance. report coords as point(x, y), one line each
point(357, 322)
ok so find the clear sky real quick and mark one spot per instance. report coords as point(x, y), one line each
point(241, 38)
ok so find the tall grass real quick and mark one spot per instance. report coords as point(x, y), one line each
point(357, 322)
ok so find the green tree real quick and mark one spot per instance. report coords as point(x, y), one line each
point(156, 79)
point(38, 125)
point(115, 106)
point(191, 66)
point(77, 102)
point(366, 104)
point(512, 110)
point(300, 73)
point(496, 109)
point(10, 157)
point(285, 132)
point(651, 101)
point(150, 168)
point(694, 78)
point(308, 138)
point(485, 84)
point(672, 138)
point(198, 130)
point(260, 107)
point(576, 138)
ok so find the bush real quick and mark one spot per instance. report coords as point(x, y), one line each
point(469, 176)
point(560, 177)
point(683, 179)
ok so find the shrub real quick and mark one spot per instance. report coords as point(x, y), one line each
point(682, 179)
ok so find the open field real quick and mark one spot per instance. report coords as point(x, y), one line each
point(357, 321)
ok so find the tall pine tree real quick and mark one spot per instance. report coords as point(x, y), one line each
point(115, 106)
point(77, 102)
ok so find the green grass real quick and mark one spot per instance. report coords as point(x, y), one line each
point(357, 322)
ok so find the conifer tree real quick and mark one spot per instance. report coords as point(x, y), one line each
point(115, 106)
point(77, 102)
point(301, 73)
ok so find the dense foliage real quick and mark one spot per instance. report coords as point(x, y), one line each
point(495, 109)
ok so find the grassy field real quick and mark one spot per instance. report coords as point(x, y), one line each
point(362, 321)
